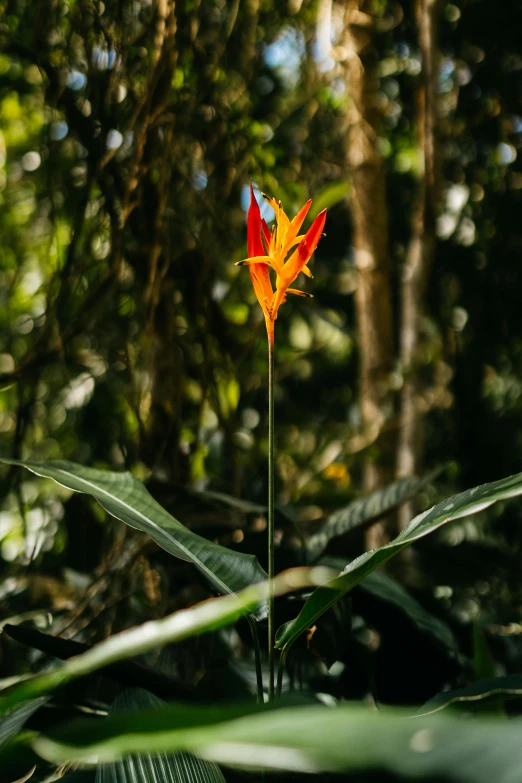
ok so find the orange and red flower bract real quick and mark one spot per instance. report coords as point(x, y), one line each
point(259, 272)
point(273, 249)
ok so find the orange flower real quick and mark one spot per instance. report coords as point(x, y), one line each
point(259, 272)
point(274, 249)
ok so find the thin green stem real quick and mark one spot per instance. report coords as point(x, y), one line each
point(280, 672)
point(271, 454)
point(257, 656)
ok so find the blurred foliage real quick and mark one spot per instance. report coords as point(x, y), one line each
point(129, 132)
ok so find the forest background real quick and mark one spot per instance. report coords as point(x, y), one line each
point(129, 134)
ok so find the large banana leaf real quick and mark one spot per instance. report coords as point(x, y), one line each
point(123, 496)
point(154, 767)
point(202, 618)
point(364, 511)
point(329, 196)
point(469, 502)
point(12, 723)
point(493, 691)
point(128, 673)
point(344, 739)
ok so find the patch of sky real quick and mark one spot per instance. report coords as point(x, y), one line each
point(506, 153)
point(58, 130)
point(402, 49)
point(220, 290)
point(285, 55)
point(76, 80)
point(446, 71)
point(200, 180)
point(31, 161)
point(456, 198)
point(266, 210)
point(103, 59)
point(446, 68)
point(78, 391)
point(114, 139)
point(322, 46)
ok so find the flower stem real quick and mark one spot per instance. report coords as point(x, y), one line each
point(271, 450)
point(257, 654)
point(280, 673)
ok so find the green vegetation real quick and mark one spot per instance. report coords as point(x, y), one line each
point(135, 499)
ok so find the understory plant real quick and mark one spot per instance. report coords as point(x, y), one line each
point(116, 711)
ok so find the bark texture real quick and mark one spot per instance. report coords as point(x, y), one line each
point(370, 242)
point(420, 253)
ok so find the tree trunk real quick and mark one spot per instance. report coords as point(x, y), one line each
point(370, 243)
point(420, 253)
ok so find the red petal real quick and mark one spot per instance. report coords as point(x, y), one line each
point(267, 234)
point(311, 238)
point(298, 221)
point(255, 245)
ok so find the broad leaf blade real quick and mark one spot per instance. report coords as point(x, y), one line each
point(127, 673)
point(123, 496)
point(329, 196)
point(154, 767)
point(469, 502)
point(345, 739)
point(364, 511)
point(202, 618)
point(12, 723)
point(496, 691)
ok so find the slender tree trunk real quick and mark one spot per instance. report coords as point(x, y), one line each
point(420, 253)
point(370, 243)
point(145, 203)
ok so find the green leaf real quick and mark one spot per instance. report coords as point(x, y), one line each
point(17, 757)
point(485, 666)
point(126, 673)
point(344, 739)
point(202, 618)
point(198, 500)
point(12, 723)
point(123, 496)
point(205, 617)
point(496, 690)
point(365, 511)
point(483, 661)
point(469, 502)
point(153, 767)
point(238, 504)
point(331, 195)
